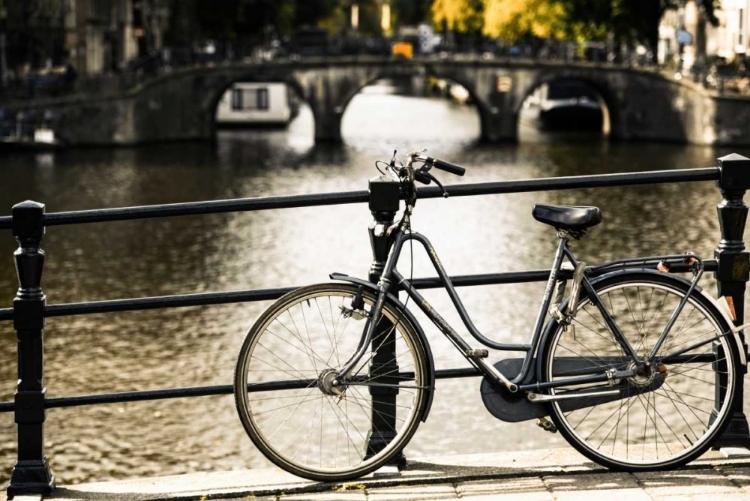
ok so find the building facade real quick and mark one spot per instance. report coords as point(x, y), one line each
point(100, 35)
point(730, 37)
point(687, 38)
point(94, 36)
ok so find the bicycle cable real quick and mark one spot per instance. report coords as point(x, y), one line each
point(411, 276)
point(411, 258)
point(377, 166)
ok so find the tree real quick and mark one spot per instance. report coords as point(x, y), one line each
point(508, 19)
point(462, 16)
point(411, 12)
point(513, 19)
point(629, 21)
point(313, 12)
point(251, 20)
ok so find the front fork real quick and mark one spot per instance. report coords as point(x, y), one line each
point(384, 286)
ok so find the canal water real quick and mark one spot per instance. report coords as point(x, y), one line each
point(198, 345)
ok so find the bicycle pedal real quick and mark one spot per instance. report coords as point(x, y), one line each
point(478, 353)
point(546, 425)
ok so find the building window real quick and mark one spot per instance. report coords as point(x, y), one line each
point(237, 99)
point(250, 99)
point(262, 99)
point(742, 23)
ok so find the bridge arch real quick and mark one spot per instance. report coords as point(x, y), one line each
point(416, 120)
point(602, 93)
point(329, 93)
point(216, 92)
point(180, 105)
point(609, 104)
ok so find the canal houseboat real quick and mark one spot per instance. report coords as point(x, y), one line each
point(28, 130)
point(563, 105)
point(247, 104)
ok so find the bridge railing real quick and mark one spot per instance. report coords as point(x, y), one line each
point(28, 222)
point(139, 71)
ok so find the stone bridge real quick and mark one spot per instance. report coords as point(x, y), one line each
point(180, 105)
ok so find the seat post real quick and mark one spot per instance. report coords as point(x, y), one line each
point(564, 237)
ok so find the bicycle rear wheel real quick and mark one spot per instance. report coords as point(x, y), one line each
point(286, 401)
point(669, 414)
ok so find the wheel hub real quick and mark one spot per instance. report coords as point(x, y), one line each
point(646, 374)
point(326, 383)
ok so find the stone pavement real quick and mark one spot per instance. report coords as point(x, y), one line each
point(550, 475)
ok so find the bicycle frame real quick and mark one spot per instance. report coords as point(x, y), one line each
point(390, 274)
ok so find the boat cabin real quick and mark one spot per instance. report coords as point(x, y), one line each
point(255, 104)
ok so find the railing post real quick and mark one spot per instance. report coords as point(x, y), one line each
point(384, 203)
point(733, 273)
point(31, 474)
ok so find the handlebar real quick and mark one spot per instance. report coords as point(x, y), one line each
point(407, 174)
point(446, 166)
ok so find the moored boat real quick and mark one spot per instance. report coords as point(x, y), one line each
point(257, 104)
point(563, 105)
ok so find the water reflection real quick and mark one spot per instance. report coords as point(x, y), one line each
point(197, 346)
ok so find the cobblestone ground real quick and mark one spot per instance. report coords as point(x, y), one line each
point(719, 483)
point(548, 475)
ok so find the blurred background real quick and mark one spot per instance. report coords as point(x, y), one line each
point(55, 46)
point(264, 145)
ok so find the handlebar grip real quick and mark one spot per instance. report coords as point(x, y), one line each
point(448, 167)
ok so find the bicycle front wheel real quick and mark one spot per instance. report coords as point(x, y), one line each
point(670, 413)
point(284, 393)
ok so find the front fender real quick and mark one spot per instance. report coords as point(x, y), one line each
point(417, 328)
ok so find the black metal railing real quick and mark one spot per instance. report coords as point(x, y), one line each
point(28, 222)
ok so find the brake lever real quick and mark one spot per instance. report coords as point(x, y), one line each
point(422, 177)
point(433, 178)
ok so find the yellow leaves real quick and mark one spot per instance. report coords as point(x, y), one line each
point(512, 19)
point(507, 19)
point(458, 15)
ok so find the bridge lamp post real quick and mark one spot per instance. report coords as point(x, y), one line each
point(385, 18)
point(355, 16)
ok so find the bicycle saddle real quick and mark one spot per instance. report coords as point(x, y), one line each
point(564, 217)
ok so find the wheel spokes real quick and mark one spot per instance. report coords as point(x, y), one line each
point(322, 427)
point(676, 404)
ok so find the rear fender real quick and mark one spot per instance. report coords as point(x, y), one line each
point(552, 324)
point(723, 307)
point(417, 328)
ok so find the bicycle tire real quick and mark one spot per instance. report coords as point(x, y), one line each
point(321, 424)
point(679, 419)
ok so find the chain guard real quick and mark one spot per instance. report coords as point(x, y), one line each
point(517, 408)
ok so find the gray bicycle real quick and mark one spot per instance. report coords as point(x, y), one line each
point(635, 366)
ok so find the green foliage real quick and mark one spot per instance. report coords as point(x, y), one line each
point(624, 21)
point(244, 19)
point(628, 21)
point(411, 12)
point(312, 12)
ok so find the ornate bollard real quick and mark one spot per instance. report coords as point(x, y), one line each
point(31, 473)
point(733, 272)
point(384, 203)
